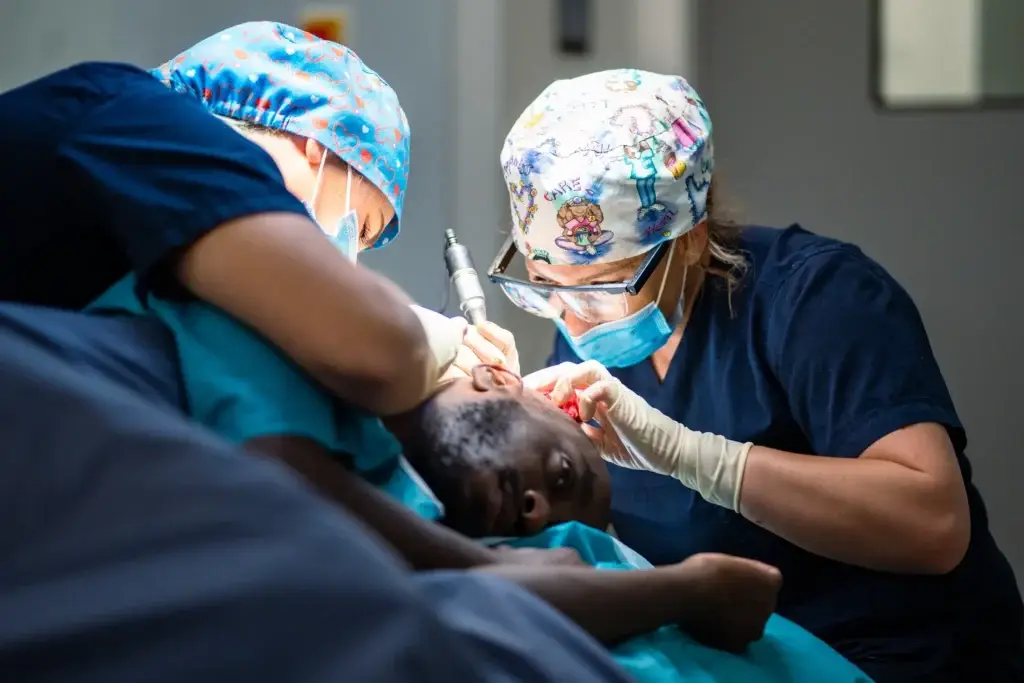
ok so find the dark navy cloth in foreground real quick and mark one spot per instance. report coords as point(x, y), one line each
point(825, 354)
point(105, 170)
point(138, 354)
point(137, 547)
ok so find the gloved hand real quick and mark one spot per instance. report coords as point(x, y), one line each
point(487, 343)
point(635, 435)
point(445, 336)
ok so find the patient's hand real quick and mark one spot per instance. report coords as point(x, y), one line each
point(732, 602)
point(539, 557)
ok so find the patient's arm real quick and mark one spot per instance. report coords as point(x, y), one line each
point(719, 600)
point(423, 544)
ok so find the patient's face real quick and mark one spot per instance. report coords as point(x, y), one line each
point(503, 459)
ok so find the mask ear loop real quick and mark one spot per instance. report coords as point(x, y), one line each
point(319, 182)
point(348, 190)
point(664, 277)
point(680, 304)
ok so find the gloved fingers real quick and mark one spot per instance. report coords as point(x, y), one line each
point(581, 376)
point(460, 326)
point(455, 370)
point(609, 446)
point(595, 434)
point(504, 342)
point(544, 380)
point(444, 335)
point(604, 392)
point(483, 350)
point(448, 339)
point(465, 360)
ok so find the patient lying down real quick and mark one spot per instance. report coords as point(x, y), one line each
point(505, 461)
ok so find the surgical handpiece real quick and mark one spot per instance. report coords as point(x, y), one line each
point(464, 278)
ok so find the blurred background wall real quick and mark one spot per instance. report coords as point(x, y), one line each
point(936, 196)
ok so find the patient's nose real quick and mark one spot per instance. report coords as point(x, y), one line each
point(536, 511)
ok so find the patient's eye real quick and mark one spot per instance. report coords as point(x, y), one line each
point(564, 475)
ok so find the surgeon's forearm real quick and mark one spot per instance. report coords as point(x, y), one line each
point(610, 605)
point(862, 511)
point(423, 544)
point(349, 327)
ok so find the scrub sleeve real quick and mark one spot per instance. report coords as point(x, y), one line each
point(820, 351)
point(106, 171)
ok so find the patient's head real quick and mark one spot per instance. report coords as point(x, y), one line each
point(502, 459)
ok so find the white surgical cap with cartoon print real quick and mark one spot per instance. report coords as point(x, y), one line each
point(607, 166)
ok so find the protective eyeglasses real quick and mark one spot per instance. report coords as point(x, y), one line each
point(594, 303)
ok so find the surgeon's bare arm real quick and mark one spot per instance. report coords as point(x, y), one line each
point(349, 327)
point(722, 601)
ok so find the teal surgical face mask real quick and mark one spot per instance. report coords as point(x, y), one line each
point(346, 236)
point(630, 340)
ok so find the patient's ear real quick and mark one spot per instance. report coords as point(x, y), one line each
point(488, 377)
point(536, 511)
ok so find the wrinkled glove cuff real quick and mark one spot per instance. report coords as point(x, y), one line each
point(713, 466)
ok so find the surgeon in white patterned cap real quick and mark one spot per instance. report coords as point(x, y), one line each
point(605, 172)
point(760, 392)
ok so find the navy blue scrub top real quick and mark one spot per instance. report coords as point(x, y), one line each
point(104, 171)
point(825, 354)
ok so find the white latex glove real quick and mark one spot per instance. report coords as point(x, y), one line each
point(635, 435)
point(487, 343)
point(445, 336)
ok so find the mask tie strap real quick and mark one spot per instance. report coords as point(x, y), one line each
point(319, 182)
point(664, 276)
point(348, 191)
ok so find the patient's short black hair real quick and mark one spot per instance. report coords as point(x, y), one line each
point(474, 432)
point(475, 435)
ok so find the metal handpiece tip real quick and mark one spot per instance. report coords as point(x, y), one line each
point(476, 315)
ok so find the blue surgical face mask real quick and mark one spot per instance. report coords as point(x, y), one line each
point(630, 340)
point(346, 237)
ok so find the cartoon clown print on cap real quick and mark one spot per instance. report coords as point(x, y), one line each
point(580, 220)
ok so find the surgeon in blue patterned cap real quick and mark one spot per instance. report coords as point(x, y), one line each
point(341, 141)
point(334, 127)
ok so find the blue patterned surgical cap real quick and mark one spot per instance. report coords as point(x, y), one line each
point(286, 79)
